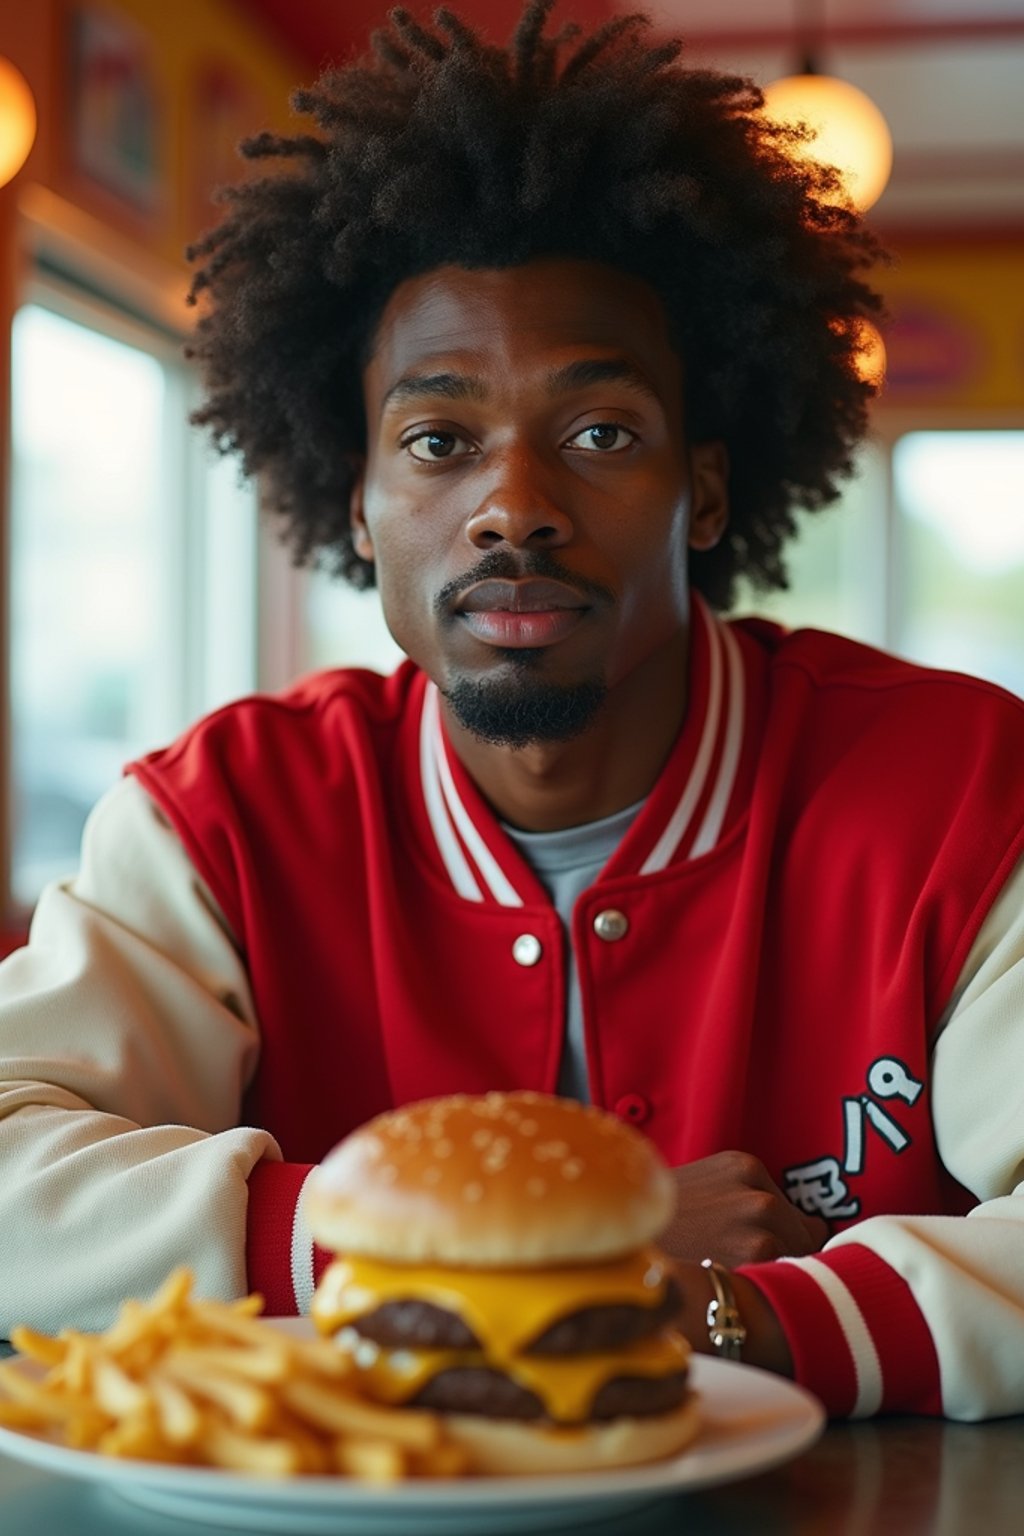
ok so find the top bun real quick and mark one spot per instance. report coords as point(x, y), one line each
point(502, 1180)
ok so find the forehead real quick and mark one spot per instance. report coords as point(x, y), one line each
point(500, 319)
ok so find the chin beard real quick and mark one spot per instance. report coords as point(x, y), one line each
point(522, 710)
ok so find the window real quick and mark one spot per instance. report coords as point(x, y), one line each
point(837, 562)
point(924, 555)
point(345, 627)
point(959, 500)
point(132, 569)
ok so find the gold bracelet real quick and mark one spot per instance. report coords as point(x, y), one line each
point(725, 1326)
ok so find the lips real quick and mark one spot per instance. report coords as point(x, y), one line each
point(522, 614)
point(531, 595)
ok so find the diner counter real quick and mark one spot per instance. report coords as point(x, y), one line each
point(895, 1477)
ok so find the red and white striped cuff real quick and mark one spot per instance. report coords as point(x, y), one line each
point(282, 1261)
point(859, 1340)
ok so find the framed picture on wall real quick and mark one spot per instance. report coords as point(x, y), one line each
point(115, 107)
point(227, 106)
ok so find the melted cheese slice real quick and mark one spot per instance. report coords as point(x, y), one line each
point(506, 1310)
point(565, 1384)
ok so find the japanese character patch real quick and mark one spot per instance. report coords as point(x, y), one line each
point(819, 1187)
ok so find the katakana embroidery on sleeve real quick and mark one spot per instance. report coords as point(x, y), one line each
point(819, 1187)
point(887, 1078)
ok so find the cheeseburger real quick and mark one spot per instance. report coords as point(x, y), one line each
point(495, 1265)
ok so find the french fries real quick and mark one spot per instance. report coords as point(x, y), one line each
point(178, 1379)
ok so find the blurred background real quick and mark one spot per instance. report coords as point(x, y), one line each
point(137, 587)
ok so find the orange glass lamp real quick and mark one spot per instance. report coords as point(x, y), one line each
point(871, 358)
point(850, 131)
point(17, 120)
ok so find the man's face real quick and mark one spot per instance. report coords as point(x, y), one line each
point(529, 493)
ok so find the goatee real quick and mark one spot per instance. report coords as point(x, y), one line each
point(520, 711)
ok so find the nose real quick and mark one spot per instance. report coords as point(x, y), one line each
point(519, 508)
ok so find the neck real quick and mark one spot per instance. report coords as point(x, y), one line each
point(552, 785)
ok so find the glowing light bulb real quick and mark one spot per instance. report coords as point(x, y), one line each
point(851, 132)
point(17, 120)
point(871, 357)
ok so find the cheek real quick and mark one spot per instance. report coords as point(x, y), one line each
point(651, 540)
point(397, 569)
point(654, 565)
point(406, 608)
point(406, 579)
point(414, 532)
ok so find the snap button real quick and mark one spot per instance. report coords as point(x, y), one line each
point(634, 1108)
point(527, 949)
point(611, 925)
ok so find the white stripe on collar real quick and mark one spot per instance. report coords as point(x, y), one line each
point(711, 826)
point(447, 843)
point(450, 820)
point(682, 816)
point(492, 874)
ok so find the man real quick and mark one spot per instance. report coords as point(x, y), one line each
point(548, 343)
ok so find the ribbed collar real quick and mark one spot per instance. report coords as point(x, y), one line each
point(699, 794)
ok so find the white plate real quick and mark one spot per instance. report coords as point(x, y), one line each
point(750, 1421)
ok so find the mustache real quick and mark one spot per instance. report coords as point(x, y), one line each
point(503, 565)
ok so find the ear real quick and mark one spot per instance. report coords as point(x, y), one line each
point(361, 540)
point(709, 487)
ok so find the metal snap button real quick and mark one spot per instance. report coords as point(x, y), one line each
point(611, 925)
point(527, 949)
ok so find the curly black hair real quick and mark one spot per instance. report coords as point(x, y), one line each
point(437, 148)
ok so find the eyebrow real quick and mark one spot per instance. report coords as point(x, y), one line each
point(601, 370)
point(413, 387)
point(423, 386)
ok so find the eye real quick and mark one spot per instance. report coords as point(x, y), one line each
point(603, 437)
point(431, 447)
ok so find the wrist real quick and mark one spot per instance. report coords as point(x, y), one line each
point(765, 1345)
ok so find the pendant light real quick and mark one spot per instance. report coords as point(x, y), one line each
point(850, 131)
point(17, 120)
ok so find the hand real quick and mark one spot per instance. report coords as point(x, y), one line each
point(728, 1208)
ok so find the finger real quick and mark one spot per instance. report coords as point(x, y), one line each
point(802, 1236)
point(817, 1231)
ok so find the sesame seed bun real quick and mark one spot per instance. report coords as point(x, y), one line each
point(508, 1180)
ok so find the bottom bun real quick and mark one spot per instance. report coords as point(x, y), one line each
point(511, 1447)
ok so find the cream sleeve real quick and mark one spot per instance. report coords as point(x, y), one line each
point(968, 1275)
point(127, 1038)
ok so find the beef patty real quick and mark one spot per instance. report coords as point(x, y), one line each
point(476, 1389)
point(420, 1325)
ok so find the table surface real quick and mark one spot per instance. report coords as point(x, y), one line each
point(895, 1477)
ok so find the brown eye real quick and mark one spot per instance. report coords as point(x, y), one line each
point(428, 447)
point(602, 437)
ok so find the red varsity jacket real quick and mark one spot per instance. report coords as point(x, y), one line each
point(800, 890)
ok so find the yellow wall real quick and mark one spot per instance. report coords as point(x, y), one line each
point(955, 339)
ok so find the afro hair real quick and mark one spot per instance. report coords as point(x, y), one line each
point(438, 148)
